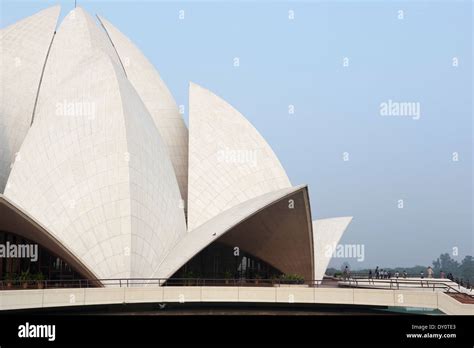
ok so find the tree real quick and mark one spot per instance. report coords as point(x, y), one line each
point(467, 268)
point(446, 264)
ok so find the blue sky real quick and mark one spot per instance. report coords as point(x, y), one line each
point(337, 109)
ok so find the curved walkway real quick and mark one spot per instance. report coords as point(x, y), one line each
point(47, 298)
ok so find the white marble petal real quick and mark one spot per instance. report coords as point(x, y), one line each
point(23, 49)
point(326, 235)
point(229, 161)
point(157, 98)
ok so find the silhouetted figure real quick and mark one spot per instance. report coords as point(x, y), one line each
point(397, 274)
point(405, 274)
point(422, 275)
point(346, 273)
point(377, 272)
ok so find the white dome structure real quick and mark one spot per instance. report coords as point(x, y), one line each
point(104, 182)
point(24, 47)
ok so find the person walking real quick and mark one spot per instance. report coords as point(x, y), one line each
point(377, 272)
point(429, 272)
point(346, 273)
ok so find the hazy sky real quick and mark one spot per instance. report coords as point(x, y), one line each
point(337, 108)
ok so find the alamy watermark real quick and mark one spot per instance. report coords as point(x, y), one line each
point(356, 251)
point(28, 330)
point(74, 108)
point(237, 156)
point(401, 109)
point(23, 251)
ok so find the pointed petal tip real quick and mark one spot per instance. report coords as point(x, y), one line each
point(194, 85)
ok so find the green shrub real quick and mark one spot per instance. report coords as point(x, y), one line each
point(291, 279)
point(25, 275)
point(39, 277)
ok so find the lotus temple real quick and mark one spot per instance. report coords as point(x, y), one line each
point(108, 200)
point(98, 168)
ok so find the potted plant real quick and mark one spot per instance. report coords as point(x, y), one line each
point(9, 278)
point(190, 277)
point(285, 278)
point(300, 279)
point(39, 277)
point(227, 276)
point(24, 277)
point(275, 279)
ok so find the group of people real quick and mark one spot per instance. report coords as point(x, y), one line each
point(460, 281)
point(385, 274)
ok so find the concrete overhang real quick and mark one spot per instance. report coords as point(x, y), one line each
point(275, 227)
point(14, 220)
